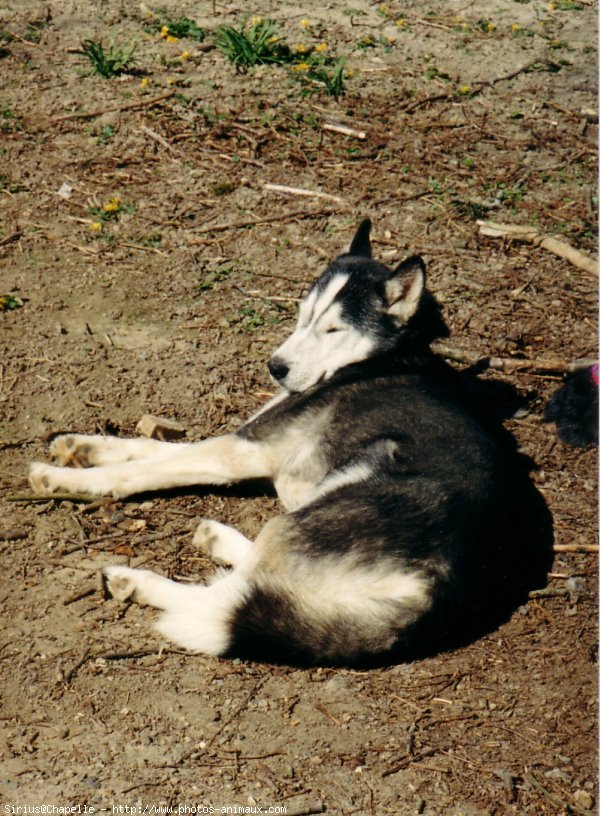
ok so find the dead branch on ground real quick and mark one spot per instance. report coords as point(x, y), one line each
point(548, 242)
point(510, 364)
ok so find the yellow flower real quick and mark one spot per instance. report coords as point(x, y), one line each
point(254, 21)
point(551, 6)
point(96, 226)
point(171, 81)
point(185, 55)
point(300, 49)
point(273, 39)
point(164, 31)
point(144, 82)
point(321, 47)
point(305, 23)
point(515, 27)
point(464, 90)
point(113, 205)
point(491, 26)
point(382, 8)
point(172, 39)
point(301, 66)
point(401, 22)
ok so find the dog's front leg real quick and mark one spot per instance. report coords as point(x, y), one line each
point(220, 460)
point(79, 450)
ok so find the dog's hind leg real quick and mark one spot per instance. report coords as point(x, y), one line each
point(223, 544)
point(80, 450)
point(196, 617)
point(220, 460)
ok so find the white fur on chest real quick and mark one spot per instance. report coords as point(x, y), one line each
point(302, 461)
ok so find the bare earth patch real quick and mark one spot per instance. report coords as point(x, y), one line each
point(156, 272)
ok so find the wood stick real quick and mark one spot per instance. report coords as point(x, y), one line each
point(408, 760)
point(552, 366)
point(548, 242)
point(35, 498)
point(14, 236)
point(265, 220)
point(591, 548)
point(141, 103)
point(79, 596)
point(299, 191)
point(345, 130)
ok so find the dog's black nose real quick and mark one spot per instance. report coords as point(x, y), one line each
point(278, 369)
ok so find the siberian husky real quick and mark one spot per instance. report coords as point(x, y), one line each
point(405, 504)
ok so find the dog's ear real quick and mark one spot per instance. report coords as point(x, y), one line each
point(361, 244)
point(404, 288)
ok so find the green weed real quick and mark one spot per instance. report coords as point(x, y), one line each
point(111, 62)
point(9, 302)
point(111, 210)
point(182, 28)
point(105, 135)
point(256, 44)
point(211, 278)
point(334, 81)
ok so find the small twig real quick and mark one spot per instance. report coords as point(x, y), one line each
point(430, 24)
point(14, 236)
point(505, 77)
point(126, 655)
point(299, 191)
point(141, 103)
point(269, 301)
point(74, 669)
point(408, 760)
point(548, 242)
point(511, 363)
point(425, 101)
point(265, 220)
point(345, 130)
point(571, 548)
point(35, 498)
point(79, 596)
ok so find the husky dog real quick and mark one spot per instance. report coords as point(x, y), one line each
point(401, 498)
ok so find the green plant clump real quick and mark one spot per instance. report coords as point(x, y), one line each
point(257, 44)
point(108, 63)
point(333, 81)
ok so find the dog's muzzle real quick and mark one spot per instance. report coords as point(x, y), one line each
point(278, 369)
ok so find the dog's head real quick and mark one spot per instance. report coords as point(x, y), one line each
point(358, 309)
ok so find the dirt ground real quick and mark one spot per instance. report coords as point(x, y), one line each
point(155, 273)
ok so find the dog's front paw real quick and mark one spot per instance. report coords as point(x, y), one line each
point(42, 479)
point(120, 582)
point(206, 536)
point(72, 449)
point(223, 545)
point(46, 479)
